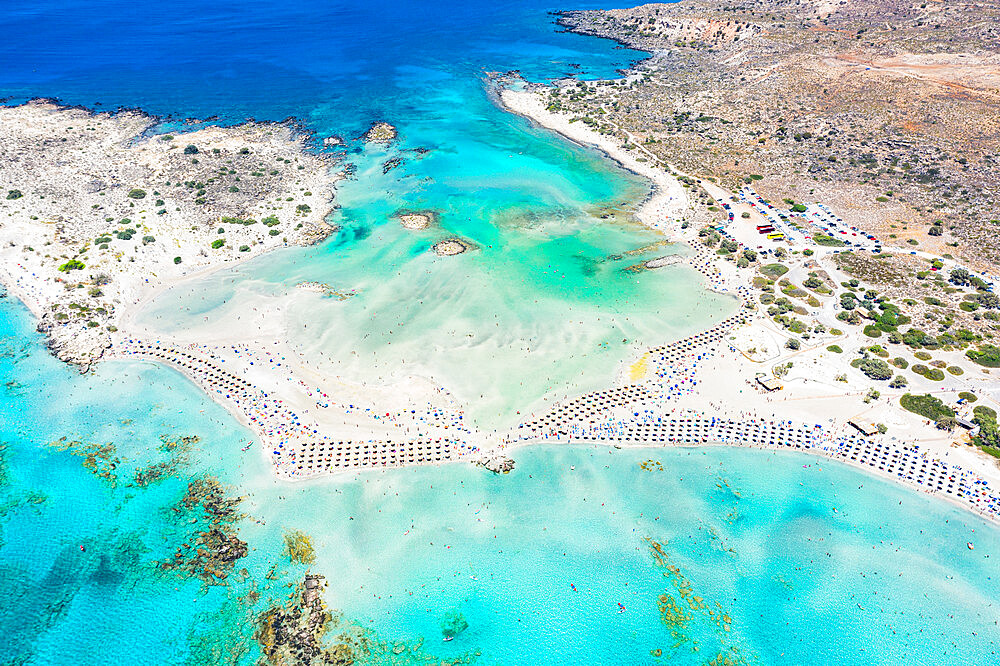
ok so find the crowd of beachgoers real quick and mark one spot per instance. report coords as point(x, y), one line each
point(307, 430)
point(296, 444)
point(647, 421)
point(646, 412)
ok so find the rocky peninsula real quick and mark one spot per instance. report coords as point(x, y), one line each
point(97, 209)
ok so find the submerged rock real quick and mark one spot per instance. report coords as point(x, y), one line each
point(660, 262)
point(303, 632)
point(211, 551)
point(391, 164)
point(452, 624)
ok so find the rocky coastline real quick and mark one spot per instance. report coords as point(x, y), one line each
point(100, 210)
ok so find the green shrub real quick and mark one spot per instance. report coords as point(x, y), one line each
point(273, 232)
point(919, 369)
point(934, 375)
point(988, 437)
point(925, 405)
point(216, 244)
point(136, 193)
point(900, 362)
point(986, 355)
point(270, 221)
point(14, 194)
point(872, 331)
point(923, 356)
point(968, 397)
point(238, 220)
point(835, 349)
point(916, 338)
point(244, 248)
point(72, 265)
point(982, 411)
point(177, 260)
point(798, 208)
point(875, 368)
point(955, 370)
point(827, 241)
point(191, 149)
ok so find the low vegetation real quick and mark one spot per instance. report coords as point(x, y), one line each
point(926, 405)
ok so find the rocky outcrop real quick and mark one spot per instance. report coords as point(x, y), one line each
point(381, 132)
point(79, 346)
point(100, 208)
point(293, 634)
point(498, 464)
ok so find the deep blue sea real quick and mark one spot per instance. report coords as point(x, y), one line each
point(581, 556)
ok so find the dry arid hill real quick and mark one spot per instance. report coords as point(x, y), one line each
point(887, 111)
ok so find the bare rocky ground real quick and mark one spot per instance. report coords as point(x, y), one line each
point(887, 111)
point(98, 208)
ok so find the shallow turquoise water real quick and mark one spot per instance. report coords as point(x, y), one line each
point(543, 306)
point(886, 578)
point(812, 561)
point(810, 567)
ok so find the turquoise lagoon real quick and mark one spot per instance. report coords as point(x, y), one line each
point(544, 305)
point(810, 561)
point(804, 561)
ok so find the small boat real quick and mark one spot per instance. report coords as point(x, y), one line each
point(971, 547)
point(448, 638)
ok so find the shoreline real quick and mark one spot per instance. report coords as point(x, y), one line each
point(666, 198)
point(306, 433)
point(993, 518)
point(86, 186)
point(529, 104)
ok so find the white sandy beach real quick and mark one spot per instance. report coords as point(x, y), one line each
point(310, 421)
point(666, 202)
